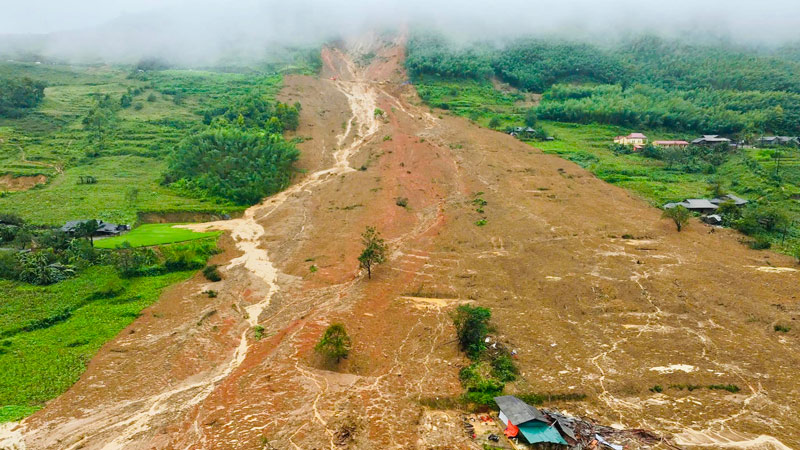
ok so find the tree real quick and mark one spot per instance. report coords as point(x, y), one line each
point(679, 214)
point(87, 229)
point(716, 190)
point(494, 122)
point(729, 211)
point(99, 122)
point(132, 196)
point(530, 117)
point(374, 250)
point(335, 343)
point(472, 325)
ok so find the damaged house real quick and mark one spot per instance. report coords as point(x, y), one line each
point(525, 422)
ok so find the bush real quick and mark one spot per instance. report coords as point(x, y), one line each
point(152, 97)
point(782, 328)
point(732, 388)
point(472, 325)
point(190, 256)
point(334, 343)
point(503, 368)
point(401, 201)
point(134, 262)
point(481, 388)
point(211, 273)
point(43, 268)
point(9, 265)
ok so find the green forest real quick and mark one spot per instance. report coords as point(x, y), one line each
point(18, 95)
point(646, 81)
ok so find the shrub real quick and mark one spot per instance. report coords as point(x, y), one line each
point(138, 106)
point(132, 262)
point(9, 265)
point(481, 388)
point(334, 343)
point(43, 268)
point(211, 293)
point(472, 325)
point(211, 273)
point(657, 388)
point(258, 332)
point(782, 328)
point(152, 97)
point(401, 201)
point(760, 243)
point(503, 368)
point(732, 388)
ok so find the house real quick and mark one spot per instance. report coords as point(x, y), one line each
point(700, 205)
point(103, 228)
point(523, 419)
point(770, 141)
point(738, 201)
point(671, 144)
point(523, 132)
point(634, 139)
point(711, 139)
point(712, 219)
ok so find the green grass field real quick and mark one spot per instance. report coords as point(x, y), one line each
point(154, 234)
point(48, 334)
point(51, 141)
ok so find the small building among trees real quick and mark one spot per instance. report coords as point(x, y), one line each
point(671, 144)
point(637, 140)
point(711, 139)
point(103, 228)
point(701, 205)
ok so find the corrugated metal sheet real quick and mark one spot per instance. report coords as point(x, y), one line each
point(536, 432)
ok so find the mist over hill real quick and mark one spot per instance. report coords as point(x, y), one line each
point(212, 32)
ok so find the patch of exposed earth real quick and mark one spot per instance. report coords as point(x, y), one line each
point(587, 311)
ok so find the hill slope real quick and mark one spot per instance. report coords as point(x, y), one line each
point(595, 292)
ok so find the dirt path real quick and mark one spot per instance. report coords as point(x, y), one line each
point(596, 293)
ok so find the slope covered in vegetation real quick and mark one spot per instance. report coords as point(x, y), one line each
point(642, 82)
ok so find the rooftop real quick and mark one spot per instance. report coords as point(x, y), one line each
point(517, 411)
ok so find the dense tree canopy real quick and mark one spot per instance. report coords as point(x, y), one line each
point(644, 82)
point(17, 95)
point(254, 111)
point(238, 165)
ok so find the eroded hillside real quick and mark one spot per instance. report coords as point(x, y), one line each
point(596, 293)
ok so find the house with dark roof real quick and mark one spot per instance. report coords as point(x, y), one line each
point(103, 228)
point(774, 141)
point(738, 201)
point(711, 139)
point(525, 421)
point(523, 132)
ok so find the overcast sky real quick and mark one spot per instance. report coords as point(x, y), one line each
point(114, 28)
